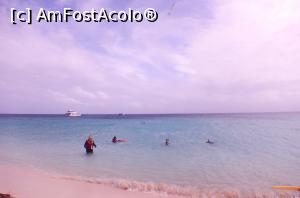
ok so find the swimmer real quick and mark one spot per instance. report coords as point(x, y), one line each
point(167, 142)
point(114, 140)
point(209, 142)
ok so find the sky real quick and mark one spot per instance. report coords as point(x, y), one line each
point(200, 56)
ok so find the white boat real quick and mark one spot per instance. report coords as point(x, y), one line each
point(71, 113)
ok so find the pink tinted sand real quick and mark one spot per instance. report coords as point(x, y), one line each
point(28, 183)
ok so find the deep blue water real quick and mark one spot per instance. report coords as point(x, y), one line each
point(251, 152)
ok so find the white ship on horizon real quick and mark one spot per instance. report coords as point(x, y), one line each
point(71, 113)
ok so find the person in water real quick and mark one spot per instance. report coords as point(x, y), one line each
point(89, 145)
point(114, 140)
point(167, 142)
point(209, 142)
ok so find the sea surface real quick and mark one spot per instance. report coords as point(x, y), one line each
point(251, 152)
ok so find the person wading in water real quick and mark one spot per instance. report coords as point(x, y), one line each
point(89, 145)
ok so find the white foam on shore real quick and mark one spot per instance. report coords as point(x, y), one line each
point(152, 187)
point(167, 189)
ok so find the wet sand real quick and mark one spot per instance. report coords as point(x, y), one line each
point(24, 182)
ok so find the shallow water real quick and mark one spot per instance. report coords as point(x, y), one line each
point(251, 153)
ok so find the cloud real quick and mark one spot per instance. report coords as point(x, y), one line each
point(63, 98)
point(219, 56)
point(102, 95)
point(250, 50)
point(83, 93)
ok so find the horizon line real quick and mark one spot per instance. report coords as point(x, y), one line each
point(123, 114)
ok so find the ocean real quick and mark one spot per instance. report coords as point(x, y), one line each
point(251, 152)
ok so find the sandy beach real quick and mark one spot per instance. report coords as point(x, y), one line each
point(25, 182)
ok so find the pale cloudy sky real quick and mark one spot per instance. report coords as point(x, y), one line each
point(200, 56)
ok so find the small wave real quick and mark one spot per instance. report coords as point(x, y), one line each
point(184, 191)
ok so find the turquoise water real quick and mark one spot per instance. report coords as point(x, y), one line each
point(252, 152)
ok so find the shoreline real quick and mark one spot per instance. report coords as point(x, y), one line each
point(24, 182)
point(28, 182)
